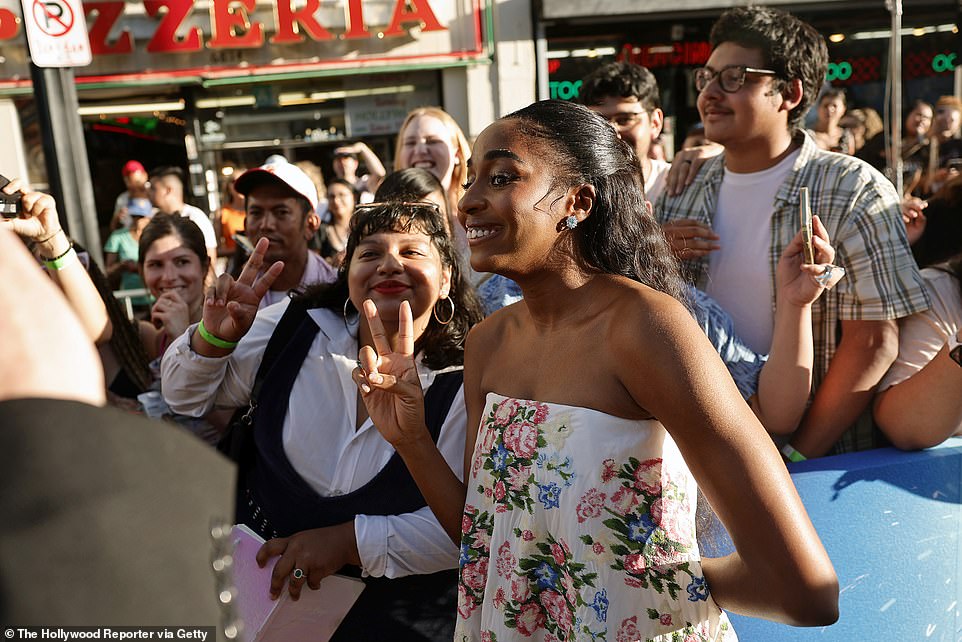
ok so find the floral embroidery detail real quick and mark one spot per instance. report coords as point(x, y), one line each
point(529, 619)
point(545, 591)
point(473, 561)
point(512, 434)
point(549, 494)
point(698, 589)
point(506, 561)
point(630, 518)
point(609, 470)
point(600, 605)
point(466, 604)
point(687, 633)
point(590, 505)
point(628, 631)
point(644, 521)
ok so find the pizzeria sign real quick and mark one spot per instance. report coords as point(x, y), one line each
point(216, 38)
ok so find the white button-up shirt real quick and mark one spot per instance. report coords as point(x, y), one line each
point(319, 435)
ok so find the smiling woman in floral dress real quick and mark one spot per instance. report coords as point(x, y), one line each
point(593, 406)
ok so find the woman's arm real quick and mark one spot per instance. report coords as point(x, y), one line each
point(785, 381)
point(780, 570)
point(40, 223)
point(375, 168)
point(925, 409)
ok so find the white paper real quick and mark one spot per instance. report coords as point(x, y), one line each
point(315, 616)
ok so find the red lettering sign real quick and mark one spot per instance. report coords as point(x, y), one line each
point(421, 13)
point(355, 20)
point(289, 19)
point(675, 54)
point(105, 17)
point(165, 38)
point(230, 25)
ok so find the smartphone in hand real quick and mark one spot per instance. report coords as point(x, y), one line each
point(10, 204)
point(805, 222)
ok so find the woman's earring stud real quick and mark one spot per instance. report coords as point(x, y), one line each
point(571, 221)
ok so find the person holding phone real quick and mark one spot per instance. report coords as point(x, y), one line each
point(33, 216)
point(763, 74)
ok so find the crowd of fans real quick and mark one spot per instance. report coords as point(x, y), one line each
point(519, 359)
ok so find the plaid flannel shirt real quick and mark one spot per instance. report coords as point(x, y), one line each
point(861, 211)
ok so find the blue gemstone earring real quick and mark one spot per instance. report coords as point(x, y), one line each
point(571, 222)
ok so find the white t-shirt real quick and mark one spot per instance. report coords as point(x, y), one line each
point(202, 221)
point(922, 335)
point(739, 274)
point(655, 181)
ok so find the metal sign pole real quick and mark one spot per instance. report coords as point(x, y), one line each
point(895, 80)
point(65, 155)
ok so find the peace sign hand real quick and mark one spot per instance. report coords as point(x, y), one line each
point(230, 306)
point(388, 380)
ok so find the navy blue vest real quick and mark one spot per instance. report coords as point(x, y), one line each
point(275, 500)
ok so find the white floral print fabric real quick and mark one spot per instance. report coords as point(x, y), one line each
point(580, 526)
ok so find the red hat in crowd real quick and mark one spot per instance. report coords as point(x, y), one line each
point(132, 166)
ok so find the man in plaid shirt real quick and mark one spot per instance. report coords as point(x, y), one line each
point(732, 223)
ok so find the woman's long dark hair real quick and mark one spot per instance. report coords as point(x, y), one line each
point(411, 184)
point(620, 236)
point(441, 345)
point(125, 339)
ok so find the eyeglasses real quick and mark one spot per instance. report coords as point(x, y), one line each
point(730, 78)
point(625, 119)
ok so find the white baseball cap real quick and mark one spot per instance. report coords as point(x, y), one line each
point(282, 171)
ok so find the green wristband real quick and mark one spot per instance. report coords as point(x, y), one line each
point(62, 261)
point(217, 342)
point(792, 455)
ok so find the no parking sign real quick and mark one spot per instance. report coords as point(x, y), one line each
point(56, 33)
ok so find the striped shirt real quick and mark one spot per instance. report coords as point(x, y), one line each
point(861, 211)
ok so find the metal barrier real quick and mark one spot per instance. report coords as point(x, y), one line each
point(891, 523)
point(124, 296)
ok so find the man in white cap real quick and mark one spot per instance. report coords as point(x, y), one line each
point(281, 204)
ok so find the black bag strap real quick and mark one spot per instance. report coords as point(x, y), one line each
point(237, 442)
point(292, 318)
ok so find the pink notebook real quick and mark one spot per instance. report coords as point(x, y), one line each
point(314, 617)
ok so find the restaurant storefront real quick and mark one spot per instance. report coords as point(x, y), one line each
point(207, 84)
point(672, 44)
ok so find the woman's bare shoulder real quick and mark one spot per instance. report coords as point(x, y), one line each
point(647, 327)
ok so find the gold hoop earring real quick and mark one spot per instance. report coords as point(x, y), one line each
point(437, 317)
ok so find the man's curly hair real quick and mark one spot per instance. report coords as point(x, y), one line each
point(791, 48)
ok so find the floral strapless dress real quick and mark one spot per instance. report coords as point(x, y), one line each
point(580, 525)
